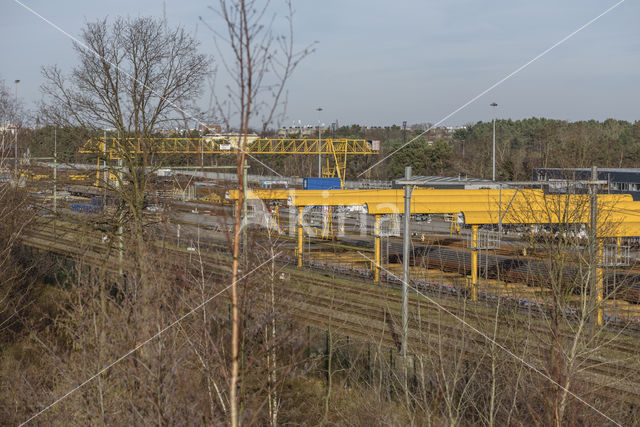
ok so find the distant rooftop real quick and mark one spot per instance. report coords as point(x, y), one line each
point(622, 170)
point(451, 182)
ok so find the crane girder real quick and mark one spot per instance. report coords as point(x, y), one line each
point(210, 145)
point(336, 149)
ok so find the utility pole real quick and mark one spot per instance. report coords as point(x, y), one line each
point(406, 236)
point(55, 174)
point(104, 164)
point(120, 220)
point(594, 201)
point(596, 283)
point(493, 175)
point(15, 142)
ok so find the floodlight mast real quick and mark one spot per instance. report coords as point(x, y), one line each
point(493, 174)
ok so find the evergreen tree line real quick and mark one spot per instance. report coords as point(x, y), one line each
point(521, 145)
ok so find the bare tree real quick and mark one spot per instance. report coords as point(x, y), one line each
point(12, 116)
point(567, 336)
point(133, 75)
point(15, 217)
point(259, 67)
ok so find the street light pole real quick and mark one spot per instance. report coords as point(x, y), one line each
point(493, 175)
point(15, 141)
point(319, 145)
point(404, 133)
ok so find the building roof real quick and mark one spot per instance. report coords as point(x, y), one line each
point(448, 182)
point(621, 170)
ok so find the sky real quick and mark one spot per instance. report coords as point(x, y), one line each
point(378, 62)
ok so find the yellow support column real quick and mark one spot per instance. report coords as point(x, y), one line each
point(330, 223)
point(600, 284)
point(531, 236)
point(618, 249)
point(474, 263)
point(300, 236)
point(98, 173)
point(376, 246)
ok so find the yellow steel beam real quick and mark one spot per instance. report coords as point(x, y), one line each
point(262, 194)
point(512, 210)
point(338, 149)
point(478, 214)
point(370, 197)
point(360, 197)
point(214, 145)
point(624, 229)
point(618, 214)
point(523, 200)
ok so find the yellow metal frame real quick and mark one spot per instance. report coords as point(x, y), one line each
point(261, 194)
point(337, 149)
point(619, 215)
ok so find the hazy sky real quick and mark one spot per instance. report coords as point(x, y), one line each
point(381, 62)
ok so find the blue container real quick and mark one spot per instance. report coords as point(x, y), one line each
point(321, 184)
point(85, 208)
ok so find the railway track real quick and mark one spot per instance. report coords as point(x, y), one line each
point(446, 259)
point(377, 321)
point(484, 313)
point(502, 266)
point(94, 249)
point(367, 312)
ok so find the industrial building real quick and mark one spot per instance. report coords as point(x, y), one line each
point(619, 180)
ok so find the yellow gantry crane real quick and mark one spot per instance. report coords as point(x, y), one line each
point(336, 150)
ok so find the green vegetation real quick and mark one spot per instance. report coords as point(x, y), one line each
point(521, 145)
point(525, 144)
point(69, 138)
